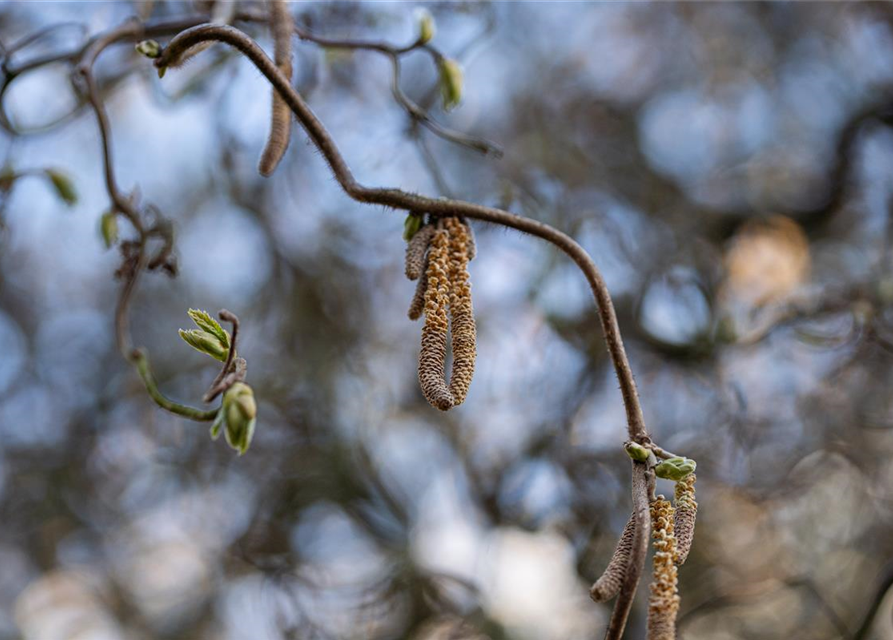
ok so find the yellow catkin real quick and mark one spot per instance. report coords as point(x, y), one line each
point(462, 328)
point(663, 604)
point(282, 25)
point(684, 516)
point(432, 356)
point(416, 249)
point(608, 585)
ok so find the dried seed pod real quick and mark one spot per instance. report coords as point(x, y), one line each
point(434, 334)
point(663, 604)
point(280, 120)
point(464, 336)
point(608, 585)
point(684, 517)
point(416, 249)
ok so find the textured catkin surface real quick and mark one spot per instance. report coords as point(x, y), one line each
point(432, 357)
point(684, 517)
point(663, 604)
point(416, 250)
point(608, 585)
point(464, 337)
point(417, 306)
point(280, 120)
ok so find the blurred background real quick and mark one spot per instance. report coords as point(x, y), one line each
point(729, 167)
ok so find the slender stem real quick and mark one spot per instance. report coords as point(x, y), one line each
point(398, 199)
point(141, 360)
point(642, 486)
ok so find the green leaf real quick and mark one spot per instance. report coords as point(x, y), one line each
point(451, 81)
point(675, 468)
point(205, 342)
point(636, 451)
point(63, 185)
point(205, 322)
point(411, 226)
point(108, 226)
point(217, 424)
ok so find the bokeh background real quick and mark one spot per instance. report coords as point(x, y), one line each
point(730, 168)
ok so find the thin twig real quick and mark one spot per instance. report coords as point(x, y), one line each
point(398, 199)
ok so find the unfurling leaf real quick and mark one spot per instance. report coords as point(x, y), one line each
point(675, 468)
point(450, 83)
point(411, 226)
point(207, 343)
point(205, 322)
point(63, 185)
point(108, 226)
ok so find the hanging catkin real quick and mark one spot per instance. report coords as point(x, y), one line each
point(432, 356)
point(608, 585)
point(416, 249)
point(663, 604)
point(282, 27)
point(417, 306)
point(686, 511)
point(463, 334)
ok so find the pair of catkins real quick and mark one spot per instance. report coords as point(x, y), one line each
point(672, 531)
point(437, 256)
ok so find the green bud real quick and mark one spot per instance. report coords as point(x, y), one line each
point(636, 451)
point(108, 226)
point(675, 468)
point(148, 48)
point(426, 25)
point(240, 415)
point(205, 342)
point(206, 323)
point(63, 185)
point(450, 83)
point(161, 71)
point(411, 226)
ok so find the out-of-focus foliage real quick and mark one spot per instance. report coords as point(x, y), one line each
point(730, 168)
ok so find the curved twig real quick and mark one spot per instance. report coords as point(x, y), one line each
point(398, 199)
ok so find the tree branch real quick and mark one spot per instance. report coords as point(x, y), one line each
point(398, 199)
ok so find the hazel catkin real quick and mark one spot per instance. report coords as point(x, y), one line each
point(416, 249)
point(608, 585)
point(686, 511)
point(463, 334)
point(663, 603)
point(432, 356)
point(282, 25)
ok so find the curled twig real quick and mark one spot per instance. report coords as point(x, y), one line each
point(234, 369)
point(282, 26)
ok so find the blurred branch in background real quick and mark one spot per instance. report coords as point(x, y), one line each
point(728, 168)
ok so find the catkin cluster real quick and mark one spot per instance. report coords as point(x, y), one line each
point(686, 511)
point(663, 604)
point(437, 255)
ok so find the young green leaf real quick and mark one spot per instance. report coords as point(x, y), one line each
point(63, 185)
point(205, 322)
point(451, 81)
